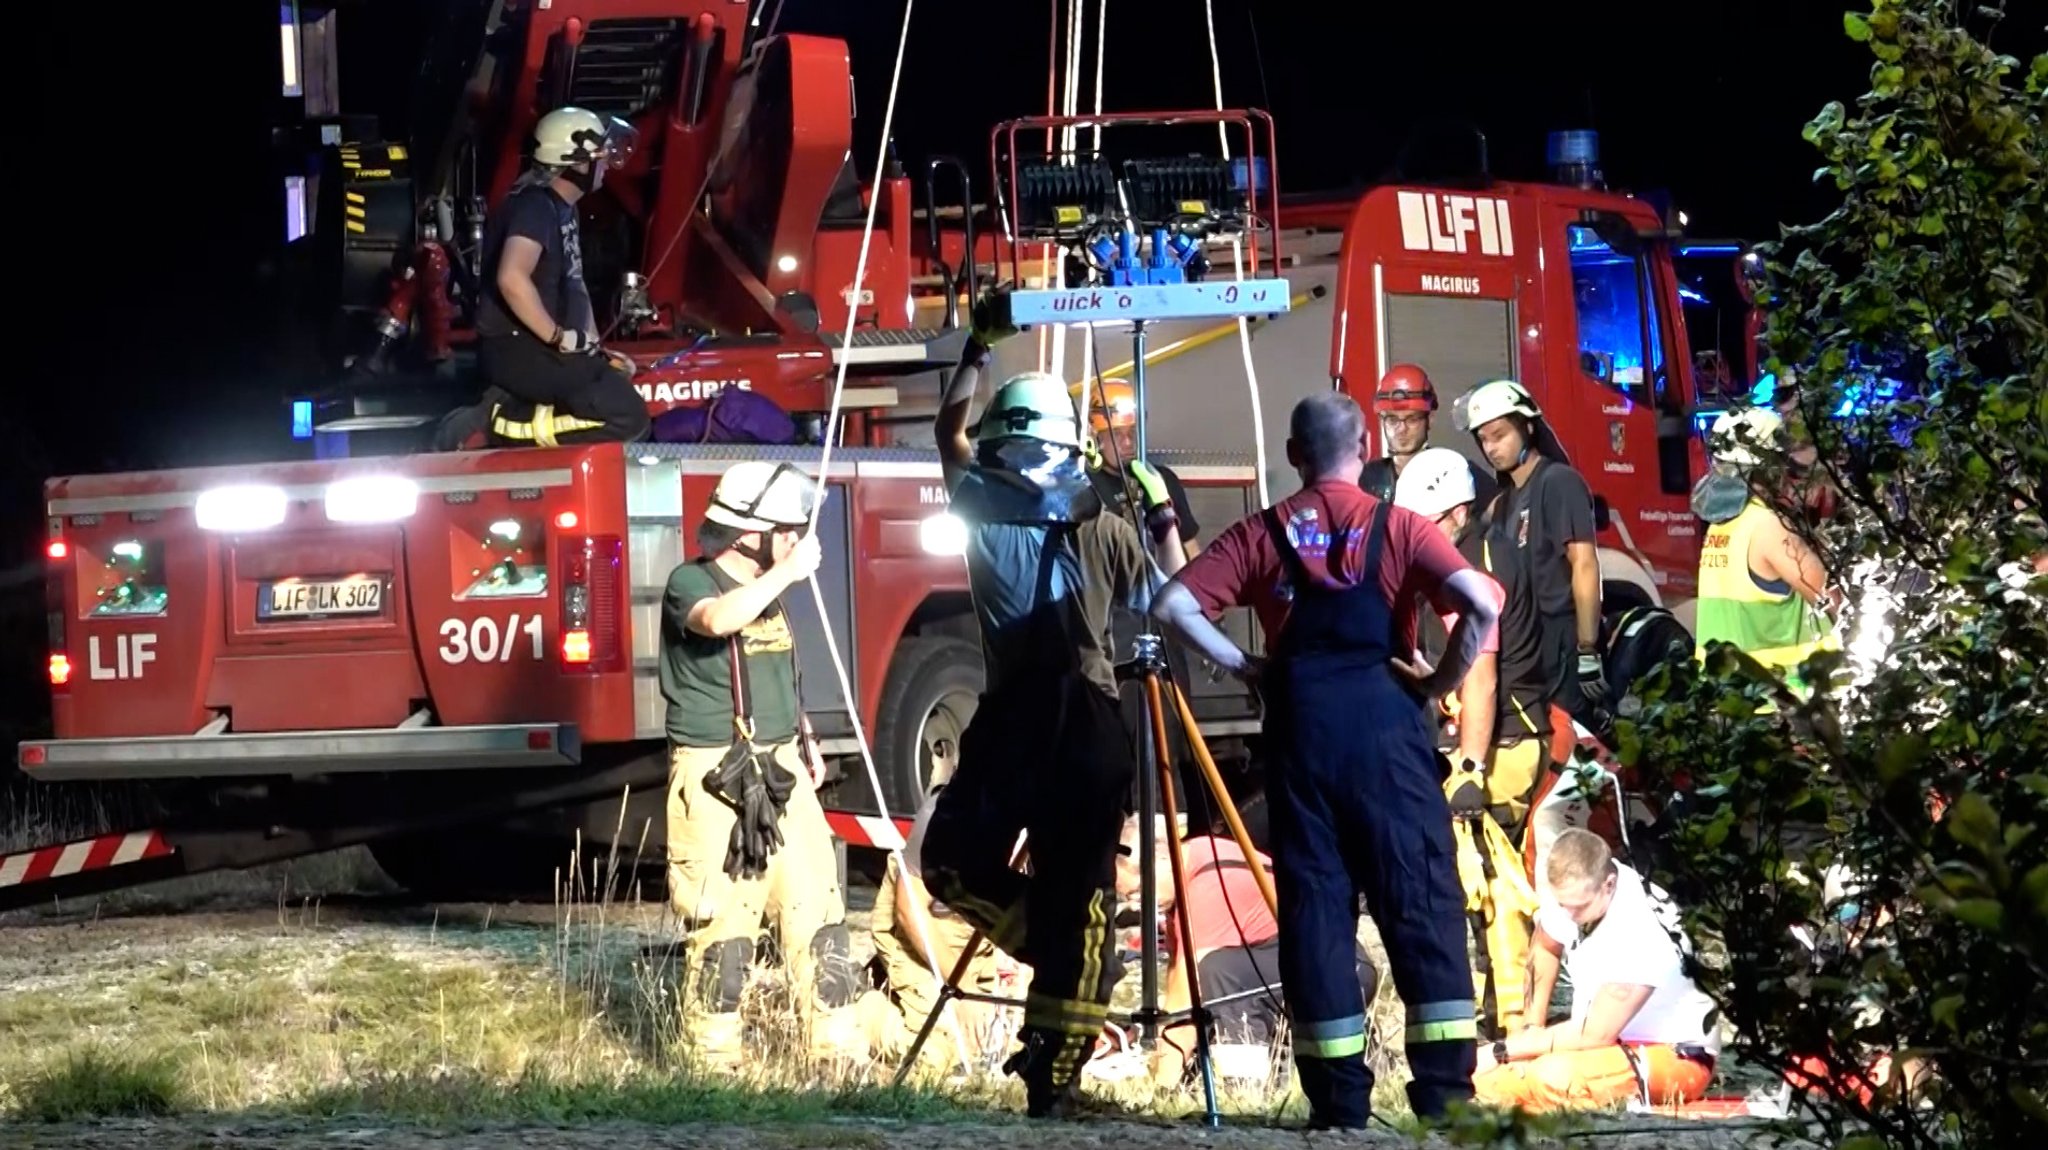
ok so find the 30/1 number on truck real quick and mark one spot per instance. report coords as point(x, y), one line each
point(488, 640)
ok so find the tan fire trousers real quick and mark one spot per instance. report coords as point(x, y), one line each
point(798, 894)
point(916, 992)
point(1511, 777)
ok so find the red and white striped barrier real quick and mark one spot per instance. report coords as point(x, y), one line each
point(869, 830)
point(84, 855)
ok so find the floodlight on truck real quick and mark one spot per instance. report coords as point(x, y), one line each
point(247, 507)
point(372, 499)
point(942, 534)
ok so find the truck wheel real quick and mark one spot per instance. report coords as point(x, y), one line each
point(934, 684)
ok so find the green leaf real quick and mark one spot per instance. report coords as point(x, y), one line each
point(1983, 913)
point(1901, 755)
point(1856, 26)
point(1930, 224)
point(2028, 1101)
point(1861, 1142)
point(2034, 890)
point(1973, 823)
point(1945, 1008)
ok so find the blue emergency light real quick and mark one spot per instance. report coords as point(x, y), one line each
point(302, 419)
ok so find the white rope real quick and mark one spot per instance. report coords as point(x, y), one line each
point(1101, 42)
point(860, 734)
point(1244, 327)
point(860, 271)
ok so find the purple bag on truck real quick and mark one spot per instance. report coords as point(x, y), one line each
point(732, 416)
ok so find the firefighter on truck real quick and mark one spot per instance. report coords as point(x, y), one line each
point(747, 837)
point(1046, 752)
point(547, 380)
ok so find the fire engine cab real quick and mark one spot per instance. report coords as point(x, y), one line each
point(452, 656)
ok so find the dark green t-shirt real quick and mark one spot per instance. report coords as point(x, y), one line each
point(696, 674)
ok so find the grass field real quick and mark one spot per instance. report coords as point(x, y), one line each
point(261, 997)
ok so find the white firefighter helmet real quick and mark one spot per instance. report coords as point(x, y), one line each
point(760, 496)
point(1034, 405)
point(571, 135)
point(1744, 438)
point(1490, 401)
point(1435, 481)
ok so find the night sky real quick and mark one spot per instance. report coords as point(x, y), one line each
point(158, 221)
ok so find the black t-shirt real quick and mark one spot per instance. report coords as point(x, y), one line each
point(1109, 483)
point(1525, 533)
point(537, 213)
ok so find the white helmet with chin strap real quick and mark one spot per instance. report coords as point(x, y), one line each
point(1745, 438)
point(760, 496)
point(569, 136)
point(1490, 401)
point(1034, 405)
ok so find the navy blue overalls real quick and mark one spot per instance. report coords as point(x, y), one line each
point(1358, 807)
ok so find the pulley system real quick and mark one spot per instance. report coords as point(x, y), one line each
point(1135, 231)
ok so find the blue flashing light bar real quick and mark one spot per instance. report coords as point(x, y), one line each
point(1218, 299)
point(302, 419)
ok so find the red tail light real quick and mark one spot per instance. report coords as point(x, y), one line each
point(592, 603)
point(53, 599)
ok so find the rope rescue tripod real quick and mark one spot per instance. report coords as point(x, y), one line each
point(1141, 236)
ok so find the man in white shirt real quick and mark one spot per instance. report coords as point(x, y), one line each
point(1639, 1026)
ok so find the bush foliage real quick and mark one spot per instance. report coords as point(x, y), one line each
point(1871, 864)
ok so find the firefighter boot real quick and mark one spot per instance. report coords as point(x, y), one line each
point(715, 1040)
point(848, 1032)
point(713, 1030)
point(1048, 1094)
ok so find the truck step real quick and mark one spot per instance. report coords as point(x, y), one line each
point(897, 347)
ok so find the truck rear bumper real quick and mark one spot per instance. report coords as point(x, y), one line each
point(303, 752)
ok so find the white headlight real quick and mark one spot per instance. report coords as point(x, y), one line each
point(248, 508)
point(943, 534)
point(372, 499)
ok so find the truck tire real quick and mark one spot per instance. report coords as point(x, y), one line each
point(934, 684)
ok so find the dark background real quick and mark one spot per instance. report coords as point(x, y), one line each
point(153, 329)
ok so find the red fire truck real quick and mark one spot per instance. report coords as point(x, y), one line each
point(451, 656)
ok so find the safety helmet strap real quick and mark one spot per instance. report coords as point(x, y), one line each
point(749, 508)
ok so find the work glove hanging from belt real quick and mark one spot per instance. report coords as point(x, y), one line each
point(757, 788)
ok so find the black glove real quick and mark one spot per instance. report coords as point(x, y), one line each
point(1592, 678)
point(1468, 789)
point(757, 788)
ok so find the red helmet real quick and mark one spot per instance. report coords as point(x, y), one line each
point(1405, 387)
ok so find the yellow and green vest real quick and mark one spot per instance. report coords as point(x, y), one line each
point(1776, 628)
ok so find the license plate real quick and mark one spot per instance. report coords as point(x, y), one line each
point(321, 598)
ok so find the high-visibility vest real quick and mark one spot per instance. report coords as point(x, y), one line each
point(1776, 628)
